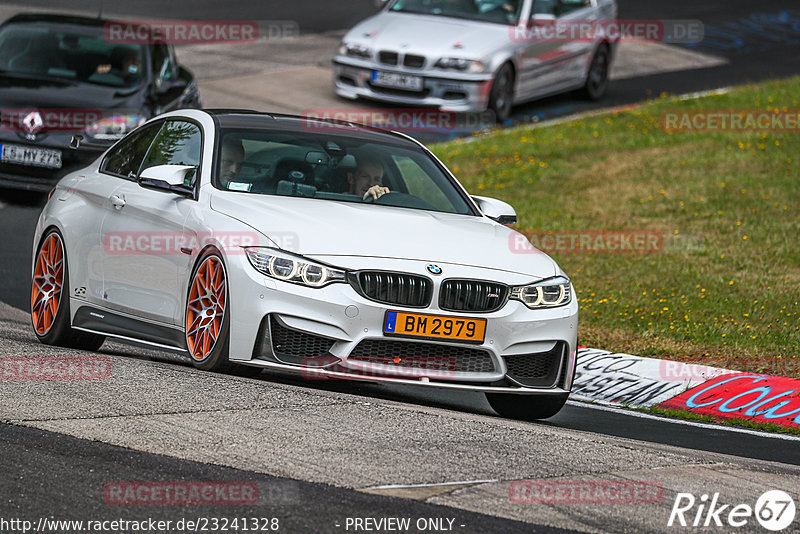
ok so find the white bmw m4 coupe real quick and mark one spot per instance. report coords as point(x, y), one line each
point(332, 250)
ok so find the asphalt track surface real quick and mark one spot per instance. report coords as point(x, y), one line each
point(50, 474)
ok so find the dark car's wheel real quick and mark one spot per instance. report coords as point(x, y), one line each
point(50, 313)
point(502, 93)
point(526, 407)
point(597, 76)
point(208, 318)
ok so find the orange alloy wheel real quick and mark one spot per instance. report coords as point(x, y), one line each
point(48, 279)
point(206, 308)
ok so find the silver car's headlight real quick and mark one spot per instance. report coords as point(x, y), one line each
point(355, 50)
point(548, 293)
point(290, 268)
point(458, 63)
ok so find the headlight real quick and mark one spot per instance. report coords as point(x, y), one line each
point(548, 293)
point(355, 50)
point(114, 127)
point(457, 63)
point(290, 268)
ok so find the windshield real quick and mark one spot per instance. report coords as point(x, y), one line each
point(69, 53)
point(334, 168)
point(499, 11)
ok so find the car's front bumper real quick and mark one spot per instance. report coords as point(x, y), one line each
point(350, 323)
point(447, 91)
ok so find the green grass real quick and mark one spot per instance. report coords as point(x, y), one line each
point(744, 423)
point(724, 290)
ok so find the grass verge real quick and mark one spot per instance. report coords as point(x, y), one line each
point(743, 423)
point(724, 286)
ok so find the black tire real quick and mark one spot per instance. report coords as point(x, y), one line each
point(526, 407)
point(56, 329)
point(214, 359)
point(501, 96)
point(597, 76)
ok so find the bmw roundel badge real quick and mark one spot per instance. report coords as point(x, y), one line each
point(434, 269)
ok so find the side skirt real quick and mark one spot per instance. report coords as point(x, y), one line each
point(99, 321)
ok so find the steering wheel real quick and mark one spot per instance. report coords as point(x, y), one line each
point(403, 200)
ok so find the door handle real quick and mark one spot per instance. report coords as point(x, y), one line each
point(118, 201)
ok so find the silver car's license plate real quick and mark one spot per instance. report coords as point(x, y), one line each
point(36, 157)
point(397, 80)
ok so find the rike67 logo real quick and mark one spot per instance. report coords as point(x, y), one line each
point(774, 510)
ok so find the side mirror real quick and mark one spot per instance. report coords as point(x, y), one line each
point(379, 4)
point(168, 178)
point(164, 87)
point(496, 210)
point(541, 19)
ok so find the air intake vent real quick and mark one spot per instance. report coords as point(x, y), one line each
point(540, 369)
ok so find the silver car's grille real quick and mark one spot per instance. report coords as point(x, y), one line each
point(472, 295)
point(540, 369)
point(401, 289)
point(388, 57)
point(414, 62)
point(429, 356)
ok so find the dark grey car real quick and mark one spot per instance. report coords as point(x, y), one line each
point(61, 77)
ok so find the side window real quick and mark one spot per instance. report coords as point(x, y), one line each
point(163, 63)
point(420, 185)
point(178, 143)
point(126, 158)
point(545, 7)
point(568, 6)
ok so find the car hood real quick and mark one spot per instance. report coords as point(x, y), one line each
point(328, 228)
point(31, 92)
point(430, 35)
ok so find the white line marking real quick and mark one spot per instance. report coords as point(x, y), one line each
point(663, 419)
point(403, 486)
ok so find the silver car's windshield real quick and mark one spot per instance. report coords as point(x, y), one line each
point(67, 53)
point(498, 11)
point(334, 168)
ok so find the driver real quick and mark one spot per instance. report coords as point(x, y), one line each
point(367, 178)
point(231, 160)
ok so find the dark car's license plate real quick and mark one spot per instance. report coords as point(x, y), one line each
point(36, 157)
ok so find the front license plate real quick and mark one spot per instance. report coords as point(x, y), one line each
point(36, 157)
point(422, 325)
point(397, 80)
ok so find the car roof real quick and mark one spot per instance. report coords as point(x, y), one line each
point(247, 119)
point(57, 18)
